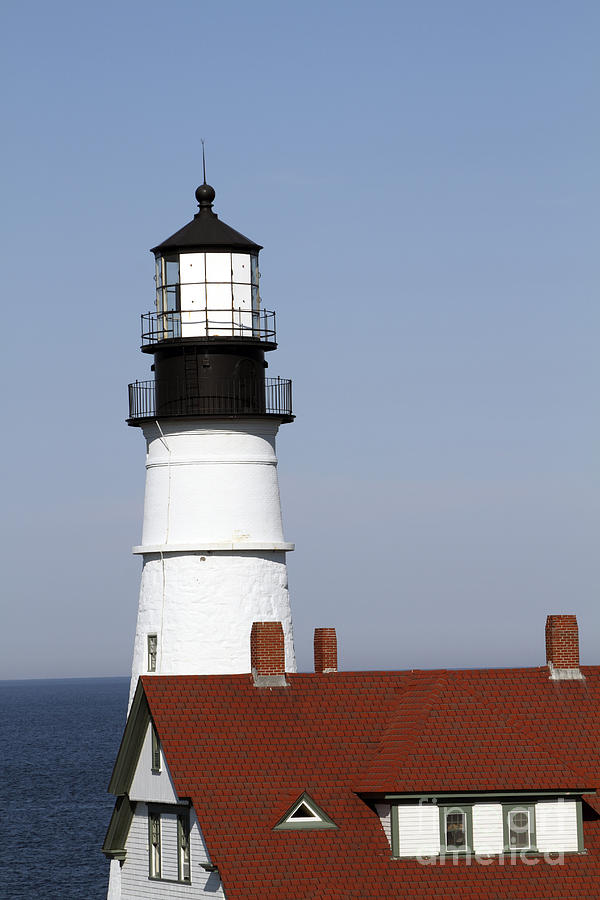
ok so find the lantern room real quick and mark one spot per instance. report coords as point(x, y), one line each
point(208, 293)
point(208, 332)
point(207, 282)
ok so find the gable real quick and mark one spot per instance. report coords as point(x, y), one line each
point(304, 814)
point(147, 784)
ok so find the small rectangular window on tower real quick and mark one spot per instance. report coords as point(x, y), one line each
point(152, 648)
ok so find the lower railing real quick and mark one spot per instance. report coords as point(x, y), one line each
point(223, 396)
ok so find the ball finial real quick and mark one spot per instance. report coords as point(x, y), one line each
point(205, 194)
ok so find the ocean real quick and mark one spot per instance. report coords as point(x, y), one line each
point(58, 743)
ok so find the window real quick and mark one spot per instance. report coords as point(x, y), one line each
point(152, 649)
point(304, 814)
point(154, 845)
point(456, 825)
point(169, 843)
point(519, 827)
point(156, 766)
point(167, 283)
point(183, 846)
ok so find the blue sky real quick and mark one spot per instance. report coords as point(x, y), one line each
point(424, 179)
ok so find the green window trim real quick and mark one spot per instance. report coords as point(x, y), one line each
point(467, 812)
point(154, 845)
point(184, 863)
point(183, 823)
point(580, 843)
point(156, 756)
point(395, 829)
point(507, 809)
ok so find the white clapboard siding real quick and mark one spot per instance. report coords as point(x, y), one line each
point(168, 845)
point(384, 813)
point(418, 830)
point(135, 883)
point(488, 828)
point(556, 826)
point(153, 787)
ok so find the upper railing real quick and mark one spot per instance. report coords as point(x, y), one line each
point(219, 397)
point(211, 323)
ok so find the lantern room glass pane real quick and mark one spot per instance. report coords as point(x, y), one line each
point(254, 268)
point(218, 267)
point(172, 269)
point(241, 269)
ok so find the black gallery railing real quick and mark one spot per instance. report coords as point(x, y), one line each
point(224, 396)
point(205, 323)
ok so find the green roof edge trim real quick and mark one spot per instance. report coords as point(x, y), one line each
point(435, 795)
point(131, 744)
point(118, 829)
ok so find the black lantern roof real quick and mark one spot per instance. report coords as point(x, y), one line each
point(206, 230)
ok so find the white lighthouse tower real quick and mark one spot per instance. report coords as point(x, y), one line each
point(213, 549)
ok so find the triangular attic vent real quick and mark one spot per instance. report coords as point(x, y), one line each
point(305, 814)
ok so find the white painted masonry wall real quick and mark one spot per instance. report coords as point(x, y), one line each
point(212, 545)
point(211, 483)
point(135, 883)
point(556, 826)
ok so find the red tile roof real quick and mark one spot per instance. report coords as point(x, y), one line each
point(244, 754)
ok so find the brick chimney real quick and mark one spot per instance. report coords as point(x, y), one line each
point(325, 650)
point(267, 654)
point(562, 647)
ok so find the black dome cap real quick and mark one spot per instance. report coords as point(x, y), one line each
point(206, 231)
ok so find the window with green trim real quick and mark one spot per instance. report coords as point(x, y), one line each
point(154, 851)
point(519, 827)
point(183, 846)
point(169, 843)
point(456, 829)
point(156, 758)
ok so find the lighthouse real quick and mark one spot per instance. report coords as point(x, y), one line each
point(212, 548)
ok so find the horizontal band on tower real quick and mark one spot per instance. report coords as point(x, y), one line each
point(219, 545)
point(212, 462)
